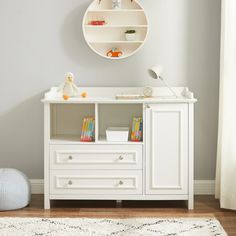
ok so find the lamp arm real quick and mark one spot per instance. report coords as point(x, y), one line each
point(172, 91)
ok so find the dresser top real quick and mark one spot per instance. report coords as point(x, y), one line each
point(108, 95)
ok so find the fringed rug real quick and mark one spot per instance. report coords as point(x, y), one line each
point(110, 227)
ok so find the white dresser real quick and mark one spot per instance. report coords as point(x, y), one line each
point(158, 168)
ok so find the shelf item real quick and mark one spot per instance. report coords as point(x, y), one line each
point(99, 35)
point(97, 22)
point(117, 134)
point(130, 35)
point(116, 4)
point(88, 130)
point(114, 52)
point(129, 96)
point(137, 129)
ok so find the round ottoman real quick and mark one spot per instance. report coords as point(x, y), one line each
point(14, 190)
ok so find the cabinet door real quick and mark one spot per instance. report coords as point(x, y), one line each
point(167, 149)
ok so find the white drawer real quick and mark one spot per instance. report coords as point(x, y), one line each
point(95, 182)
point(95, 157)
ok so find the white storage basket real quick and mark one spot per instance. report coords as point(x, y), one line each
point(117, 134)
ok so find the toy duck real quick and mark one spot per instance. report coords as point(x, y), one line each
point(68, 88)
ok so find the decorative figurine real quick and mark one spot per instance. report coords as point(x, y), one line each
point(116, 4)
point(68, 88)
point(114, 52)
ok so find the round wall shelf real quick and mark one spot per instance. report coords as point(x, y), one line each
point(104, 28)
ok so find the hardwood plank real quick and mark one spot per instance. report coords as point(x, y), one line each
point(205, 206)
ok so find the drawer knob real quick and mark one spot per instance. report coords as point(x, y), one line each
point(121, 158)
point(70, 157)
point(121, 183)
point(70, 182)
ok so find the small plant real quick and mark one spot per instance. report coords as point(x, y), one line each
point(130, 31)
point(130, 35)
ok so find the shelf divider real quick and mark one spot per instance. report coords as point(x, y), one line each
point(115, 26)
point(116, 11)
point(123, 42)
point(96, 122)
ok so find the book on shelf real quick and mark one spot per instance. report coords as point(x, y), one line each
point(88, 130)
point(137, 129)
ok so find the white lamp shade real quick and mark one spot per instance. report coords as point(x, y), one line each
point(155, 72)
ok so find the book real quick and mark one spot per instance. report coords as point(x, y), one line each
point(88, 130)
point(129, 96)
point(137, 129)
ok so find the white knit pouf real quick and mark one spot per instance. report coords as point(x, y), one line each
point(14, 190)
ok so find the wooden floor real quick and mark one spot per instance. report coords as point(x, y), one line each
point(205, 206)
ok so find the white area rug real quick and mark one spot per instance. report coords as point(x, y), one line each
point(110, 227)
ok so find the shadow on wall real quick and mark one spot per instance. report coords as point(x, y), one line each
point(21, 137)
point(73, 39)
point(203, 78)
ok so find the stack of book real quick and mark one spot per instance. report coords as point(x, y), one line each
point(88, 130)
point(137, 129)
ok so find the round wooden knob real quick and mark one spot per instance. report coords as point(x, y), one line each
point(121, 183)
point(121, 158)
point(70, 157)
point(70, 182)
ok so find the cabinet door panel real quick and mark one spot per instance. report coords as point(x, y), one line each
point(167, 149)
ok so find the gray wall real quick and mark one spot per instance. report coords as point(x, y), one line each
point(40, 40)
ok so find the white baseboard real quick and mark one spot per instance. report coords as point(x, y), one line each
point(201, 187)
point(37, 186)
point(204, 187)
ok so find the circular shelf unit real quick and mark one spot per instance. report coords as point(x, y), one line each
point(102, 38)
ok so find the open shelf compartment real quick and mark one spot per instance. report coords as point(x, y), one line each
point(67, 121)
point(117, 17)
point(113, 34)
point(117, 115)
